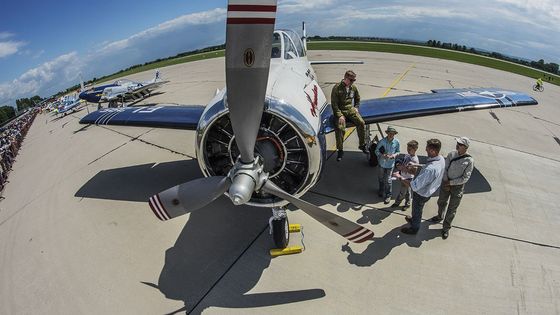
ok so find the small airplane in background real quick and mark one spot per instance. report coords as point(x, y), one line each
point(68, 104)
point(261, 140)
point(122, 90)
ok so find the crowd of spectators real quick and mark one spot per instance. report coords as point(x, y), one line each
point(11, 138)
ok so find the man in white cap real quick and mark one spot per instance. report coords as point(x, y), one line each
point(458, 169)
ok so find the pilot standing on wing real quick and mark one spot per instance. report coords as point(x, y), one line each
point(345, 100)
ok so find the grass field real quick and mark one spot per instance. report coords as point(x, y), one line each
point(371, 46)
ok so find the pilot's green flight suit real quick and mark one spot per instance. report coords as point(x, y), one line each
point(344, 101)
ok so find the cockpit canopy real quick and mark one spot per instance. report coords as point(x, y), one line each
point(287, 44)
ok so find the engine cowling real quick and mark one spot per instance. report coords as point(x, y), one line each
point(287, 143)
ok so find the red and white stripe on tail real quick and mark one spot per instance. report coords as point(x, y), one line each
point(251, 12)
point(359, 235)
point(158, 208)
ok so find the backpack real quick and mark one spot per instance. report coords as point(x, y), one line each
point(372, 157)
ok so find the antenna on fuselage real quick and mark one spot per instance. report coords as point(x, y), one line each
point(304, 37)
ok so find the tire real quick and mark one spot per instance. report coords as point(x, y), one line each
point(280, 232)
point(538, 88)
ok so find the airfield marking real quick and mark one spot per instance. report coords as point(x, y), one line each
point(393, 84)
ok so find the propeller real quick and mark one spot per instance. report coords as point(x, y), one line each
point(250, 25)
point(188, 196)
point(344, 227)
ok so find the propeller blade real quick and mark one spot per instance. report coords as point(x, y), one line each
point(250, 25)
point(188, 196)
point(346, 228)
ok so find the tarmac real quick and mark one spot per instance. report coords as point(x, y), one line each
point(77, 235)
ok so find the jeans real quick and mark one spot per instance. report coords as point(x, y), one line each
point(385, 182)
point(418, 202)
point(404, 194)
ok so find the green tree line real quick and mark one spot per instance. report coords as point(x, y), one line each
point(541, 65)
point(7, 113)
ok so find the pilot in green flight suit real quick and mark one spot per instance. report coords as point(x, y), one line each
point(345, 100)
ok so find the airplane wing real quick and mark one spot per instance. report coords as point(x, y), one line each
point(176, 117)
point(438, 102)
point(143, 90)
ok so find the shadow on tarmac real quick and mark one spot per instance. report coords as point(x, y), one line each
point(354, 181)
point(211, 242)
point(216, 237)
point(380, 247)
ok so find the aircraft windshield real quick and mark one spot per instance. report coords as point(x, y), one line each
point(296, 40)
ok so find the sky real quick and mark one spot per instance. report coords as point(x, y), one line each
point(46, 45)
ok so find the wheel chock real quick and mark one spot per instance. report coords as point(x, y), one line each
point(294, 228)
point(275, 252)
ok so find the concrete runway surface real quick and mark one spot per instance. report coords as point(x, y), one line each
point(77, 236)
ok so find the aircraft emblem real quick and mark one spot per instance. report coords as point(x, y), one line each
point(495, 95)
point(313, 101)
point(249, 57)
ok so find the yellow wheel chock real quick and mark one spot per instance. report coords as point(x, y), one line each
point(292, 228)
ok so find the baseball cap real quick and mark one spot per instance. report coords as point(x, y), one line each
point(464, 141)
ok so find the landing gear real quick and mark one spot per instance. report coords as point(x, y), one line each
point(279, 227)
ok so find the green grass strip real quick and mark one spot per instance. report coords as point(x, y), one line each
point(435, 53)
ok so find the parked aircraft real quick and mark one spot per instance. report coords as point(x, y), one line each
point(67, 104)
point(122, 90)
point(261, 141)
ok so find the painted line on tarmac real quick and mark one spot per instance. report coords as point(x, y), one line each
point(350, 130)
point(454, 226)
point(147, 142)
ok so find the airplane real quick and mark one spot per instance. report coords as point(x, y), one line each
point(261, 140)
point(122, 90)
point(65, 105)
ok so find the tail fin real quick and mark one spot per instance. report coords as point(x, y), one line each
point(81, 82)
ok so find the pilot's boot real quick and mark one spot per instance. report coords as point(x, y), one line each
point(340, 155)
point(363, 148)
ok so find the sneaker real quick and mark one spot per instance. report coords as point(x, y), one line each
point(387, 200)
point(408, 219)
point(409, 230)
point(444, 234)
point(363, 148)
point(436, 219)
point(395, 205)
point(340, 155)
point(406, 205)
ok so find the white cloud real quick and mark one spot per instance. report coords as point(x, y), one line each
point(9, 48)
point(59, 70)
point(302, 6)
point(200, 18)
point(5, 35)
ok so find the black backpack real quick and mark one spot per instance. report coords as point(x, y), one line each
point(372, 157)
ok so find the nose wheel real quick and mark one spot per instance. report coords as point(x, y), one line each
point(279, 228)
